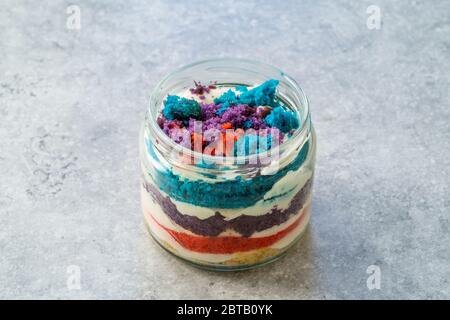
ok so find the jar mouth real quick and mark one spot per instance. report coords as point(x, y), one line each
point(289, 92)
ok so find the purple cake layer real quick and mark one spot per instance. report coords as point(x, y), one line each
point(244, 225)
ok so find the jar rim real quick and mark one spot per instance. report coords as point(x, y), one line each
point(302, 131)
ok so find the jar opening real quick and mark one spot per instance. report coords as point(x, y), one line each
point(228, 72)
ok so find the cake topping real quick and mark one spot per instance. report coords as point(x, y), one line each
point(282, 119)
point(240, 113)
point(263, 95)
point(200, 89)
point(176, 108)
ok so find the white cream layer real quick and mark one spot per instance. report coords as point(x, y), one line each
point(209, 97)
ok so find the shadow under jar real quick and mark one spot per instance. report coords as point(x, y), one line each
point(239, 212)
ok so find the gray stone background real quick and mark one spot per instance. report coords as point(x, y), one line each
point(72, 101)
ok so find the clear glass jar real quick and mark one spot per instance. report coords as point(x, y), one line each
point(239, 212)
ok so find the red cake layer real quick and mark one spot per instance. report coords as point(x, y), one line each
point(227, 244)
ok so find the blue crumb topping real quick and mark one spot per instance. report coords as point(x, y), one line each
point(237, 193)
point(282, 119)
point(262, 95)
point(241, 88)
point(228, 96)
point(181, 108)
point(226, 100)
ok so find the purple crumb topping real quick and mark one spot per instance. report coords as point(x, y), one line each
point(239, 116)
point(208, 110)
point(200, 89)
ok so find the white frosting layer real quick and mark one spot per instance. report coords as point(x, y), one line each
point(209, 97)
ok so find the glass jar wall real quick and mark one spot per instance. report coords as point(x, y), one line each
point(227, 212)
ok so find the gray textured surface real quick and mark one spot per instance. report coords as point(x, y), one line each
point(71, 103)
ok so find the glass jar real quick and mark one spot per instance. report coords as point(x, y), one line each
point(231, 213)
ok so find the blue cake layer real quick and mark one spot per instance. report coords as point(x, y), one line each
point(237, 193)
